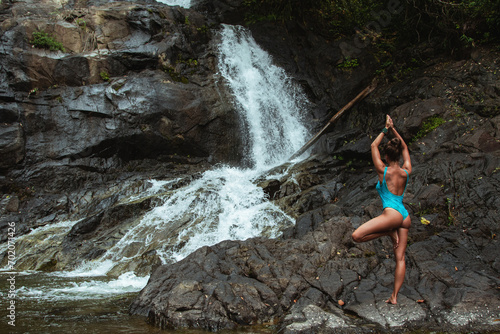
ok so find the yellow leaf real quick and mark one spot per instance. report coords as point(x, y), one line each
point(424, 221)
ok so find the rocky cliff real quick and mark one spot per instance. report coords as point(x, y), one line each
point(133, 94)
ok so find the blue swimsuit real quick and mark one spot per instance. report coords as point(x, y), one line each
point(389, 200)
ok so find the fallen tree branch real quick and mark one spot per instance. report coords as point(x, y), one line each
point(359, 97)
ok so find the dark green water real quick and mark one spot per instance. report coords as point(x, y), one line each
point(50, 304)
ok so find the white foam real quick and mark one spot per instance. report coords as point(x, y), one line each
point(88, 269)
point(270, 103)
point(154, 187)
point(182, 3)
point(91, 289)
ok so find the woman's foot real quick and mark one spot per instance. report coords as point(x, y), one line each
point(392, 300)
point(395, 238)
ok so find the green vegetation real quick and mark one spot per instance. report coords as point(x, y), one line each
point(348, 64)
point(81, 23)
point(34, 91)
point(429, 125)
point(191, 62)
point(337, 17)
point(104, 75)
point(204, 29)
point(175, 75)
point(456, 23)
point(42, 40)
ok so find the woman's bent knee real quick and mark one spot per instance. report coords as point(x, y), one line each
point(356, 237)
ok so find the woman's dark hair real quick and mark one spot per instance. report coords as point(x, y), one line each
point(393, 149)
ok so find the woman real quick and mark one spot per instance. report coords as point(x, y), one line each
point(394, 220)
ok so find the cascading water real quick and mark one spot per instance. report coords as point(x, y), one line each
point(223, 203)
point(269, 101)
point(182, 3)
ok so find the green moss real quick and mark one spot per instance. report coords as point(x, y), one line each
point(204, 29)
point(191, 62)
point(428, 126)
point(104, 75)
point(174, 75)
point(118, 86)
point(348, 63)
point(81, 23)
point(42, 40)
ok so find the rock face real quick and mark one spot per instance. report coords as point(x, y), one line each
point(131, 95)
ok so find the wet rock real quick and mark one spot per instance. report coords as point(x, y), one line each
point(11, 145)
point(313, 319)
point(9, 204)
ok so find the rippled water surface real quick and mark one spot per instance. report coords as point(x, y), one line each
point(49, 303)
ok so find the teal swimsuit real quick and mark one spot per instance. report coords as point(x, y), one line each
point(389, 200)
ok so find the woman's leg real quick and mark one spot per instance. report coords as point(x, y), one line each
point(385, 224)
point(399, 257)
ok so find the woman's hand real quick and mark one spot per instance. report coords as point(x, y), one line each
point(388, 122)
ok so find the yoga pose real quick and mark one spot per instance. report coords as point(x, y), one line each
point(394, 220)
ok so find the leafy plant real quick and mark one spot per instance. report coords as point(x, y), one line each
point(348, 63)
point(42, 40)
point(175, 75)
point(336, 17)
point(104, 75)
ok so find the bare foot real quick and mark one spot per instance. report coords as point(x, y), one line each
point(392, 301)
point(395, 238)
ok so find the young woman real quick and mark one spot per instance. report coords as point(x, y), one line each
point(394, 220)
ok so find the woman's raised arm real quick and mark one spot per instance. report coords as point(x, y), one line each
point(405, 153)
point(376, 158)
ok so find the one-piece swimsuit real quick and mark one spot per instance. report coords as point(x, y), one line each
point(389, 200)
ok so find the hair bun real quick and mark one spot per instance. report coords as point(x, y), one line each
point(393, 149)
point(396, 142)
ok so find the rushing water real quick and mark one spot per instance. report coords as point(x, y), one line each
point(224, 203)
point(182, 3)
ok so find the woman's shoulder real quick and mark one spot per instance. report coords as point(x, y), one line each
point(404, 173)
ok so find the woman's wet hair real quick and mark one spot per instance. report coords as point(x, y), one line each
point(393, 149)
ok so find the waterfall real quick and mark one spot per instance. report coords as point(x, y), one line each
point(270, 103)
point(182, 3)
point(223, 203)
